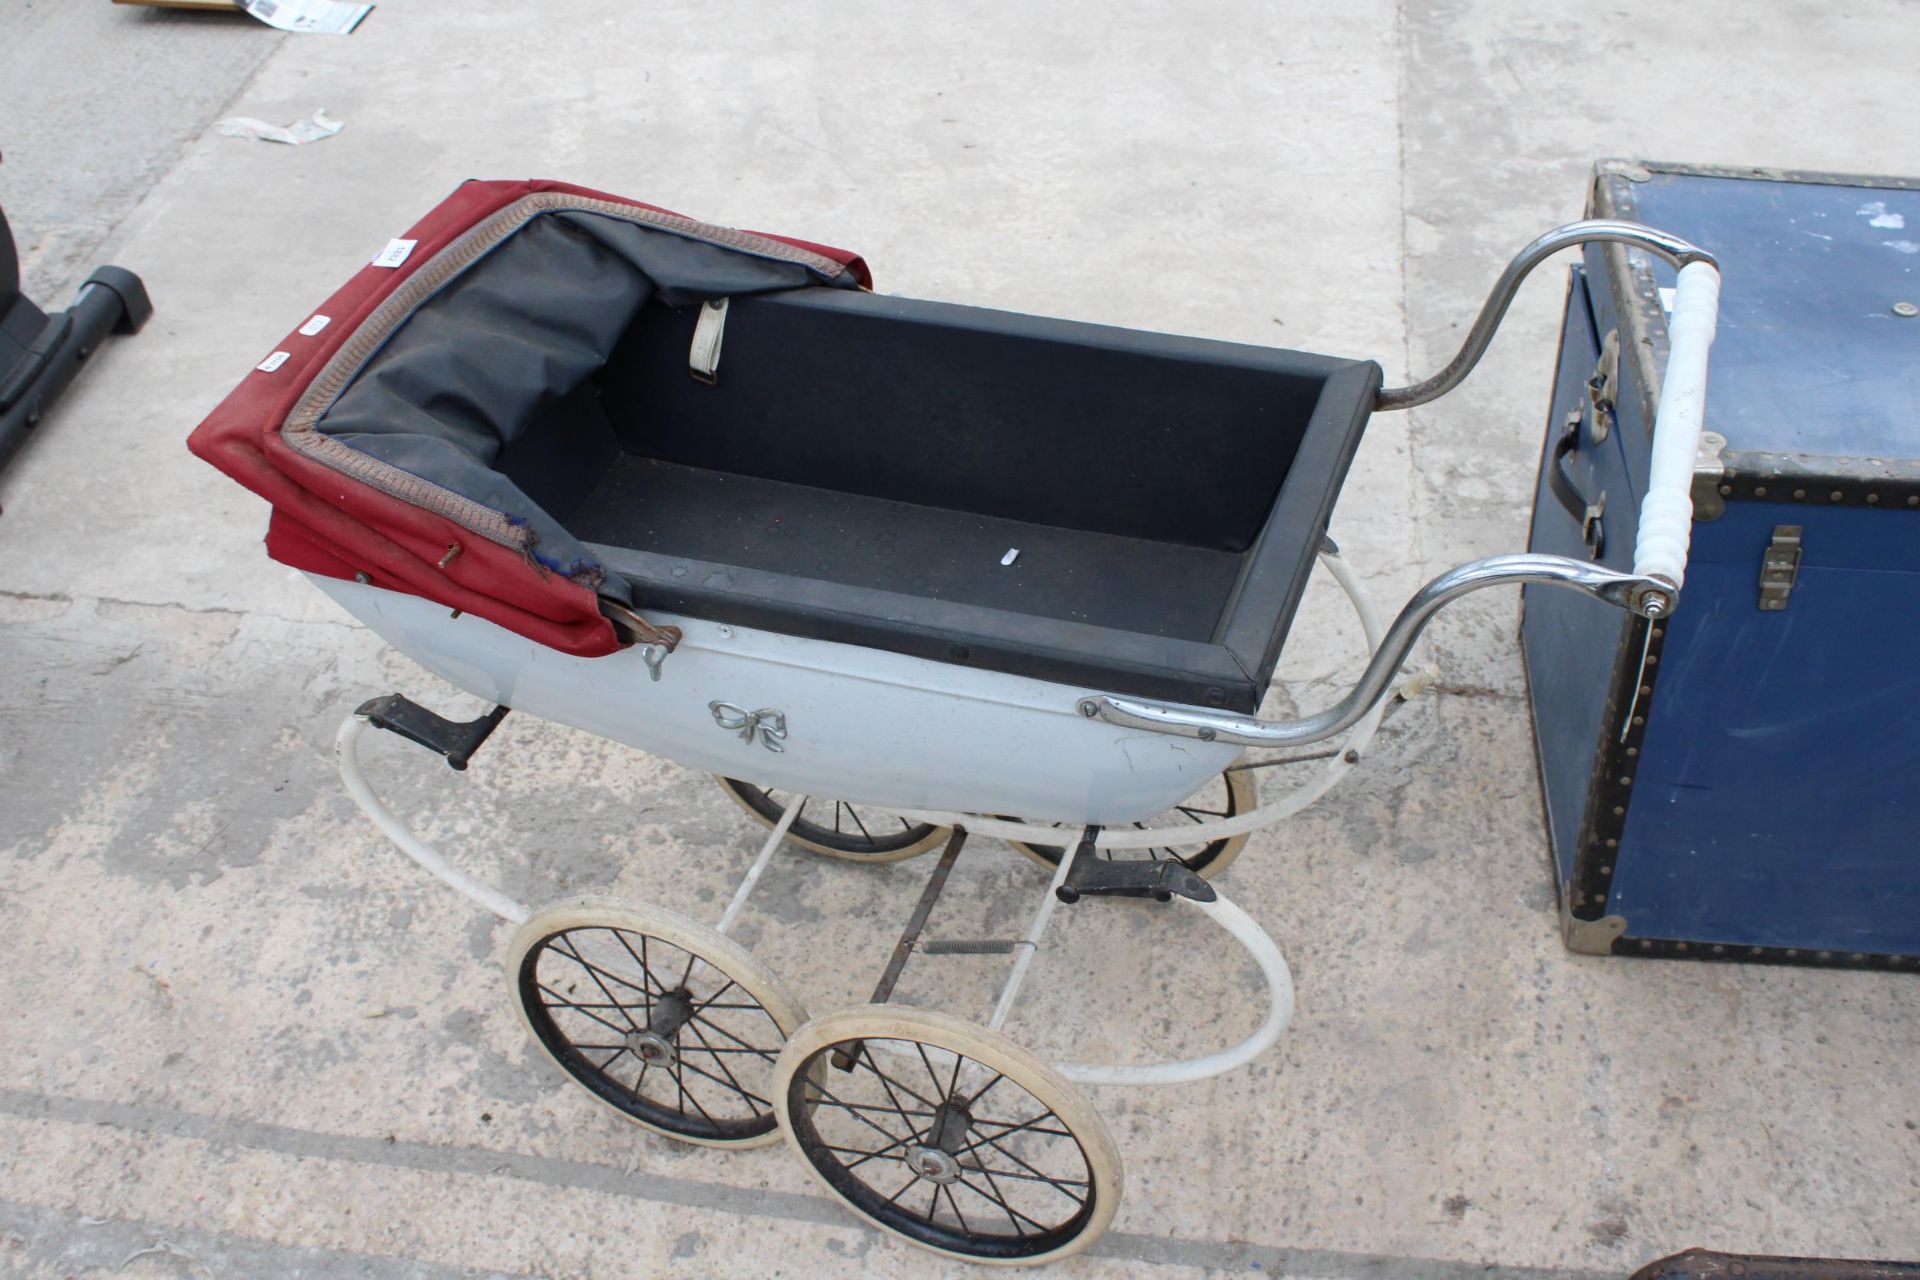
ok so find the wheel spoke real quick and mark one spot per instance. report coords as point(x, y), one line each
point(888, 1086)
point(744, 1008)
point(699, 1008)
point(868, 1106)
point(1024, 1128)
point(686, 1095)
point(1058, 1184)
point(826, 1093)
point(566, 1004)
point(999, 1198)
point(646, 970)
point(955, 1206)
point(974, 1101)
point(866, 1059)
point(1013, 1215)
point(1008, 1130)
point(681, 1062)
point(572, 952)
point(880, 1154)
point(647, 980)
point(606, 1062)
point(768, 1054)
point(855, 815)
point(718, 1061)
point(701, 1048)
point(595, 975)
point(927, 1062)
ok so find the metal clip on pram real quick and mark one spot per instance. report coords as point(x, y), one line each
point(1651, 590)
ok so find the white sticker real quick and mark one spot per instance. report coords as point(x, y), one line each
point(1666, 300)
point(315, 325)
point(273, 362)
point(394, 254)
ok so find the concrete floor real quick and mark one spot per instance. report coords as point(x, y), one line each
point(244, 1038)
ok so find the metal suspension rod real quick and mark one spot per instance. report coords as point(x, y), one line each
point(1048, 901)
point(759, 866)
point(346, 745)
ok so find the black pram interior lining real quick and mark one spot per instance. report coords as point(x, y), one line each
point(865, 464)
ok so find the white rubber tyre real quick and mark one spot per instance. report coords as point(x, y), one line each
point(610, 970)
point(924, 1046)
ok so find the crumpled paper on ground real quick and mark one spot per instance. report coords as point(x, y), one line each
point(324, 17)
point(311, 129)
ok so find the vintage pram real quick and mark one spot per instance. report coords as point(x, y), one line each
point(893, 570)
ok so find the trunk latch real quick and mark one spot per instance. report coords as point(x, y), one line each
point(1780, 567)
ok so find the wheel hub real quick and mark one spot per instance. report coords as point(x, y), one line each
point(651, 1048)
point(936, 1157)
point(933, 1164)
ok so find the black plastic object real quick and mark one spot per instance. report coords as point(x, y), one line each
point(457, 740)
point(1703, 1264)
point(40, 354)
point(1091, 876)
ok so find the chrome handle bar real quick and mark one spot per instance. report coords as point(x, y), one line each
point(1648, 597)
point(1672, 248)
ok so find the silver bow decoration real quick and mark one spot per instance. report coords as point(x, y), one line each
point(770, 725)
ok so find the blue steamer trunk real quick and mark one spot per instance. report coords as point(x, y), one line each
point(1742, 781)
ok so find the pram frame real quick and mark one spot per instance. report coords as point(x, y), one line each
point(1652, 590)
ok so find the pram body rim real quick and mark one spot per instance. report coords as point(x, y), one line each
point(868, 726)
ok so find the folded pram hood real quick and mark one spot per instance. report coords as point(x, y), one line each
point(374, 433)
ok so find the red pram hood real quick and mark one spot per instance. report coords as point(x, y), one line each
point(346, 509)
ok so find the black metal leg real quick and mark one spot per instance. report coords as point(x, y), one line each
point(844, 1056)
point(918, 920)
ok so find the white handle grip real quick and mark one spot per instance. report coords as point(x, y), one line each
point(1666, 514)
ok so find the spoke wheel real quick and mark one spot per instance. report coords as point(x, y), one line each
point(1227, 796)
point(674, 1026)
point(948, 1135)
point(838, 828)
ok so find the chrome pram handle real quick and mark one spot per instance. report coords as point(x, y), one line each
point(1681, 253)
point(1652, 590)
point(1251, 731)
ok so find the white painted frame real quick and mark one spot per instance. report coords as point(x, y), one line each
point(1222, 912)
